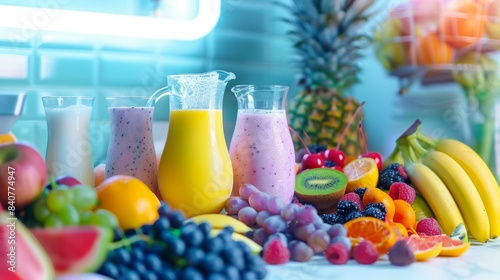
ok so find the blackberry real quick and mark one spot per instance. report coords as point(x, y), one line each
point(399, 168)
point(375, 213)
point(345, 207)
point(387, 177)
point(332, 219)
point(378, 205)
point(353, 215)
point(316, 148)
point(329, 163)
point(360, 192)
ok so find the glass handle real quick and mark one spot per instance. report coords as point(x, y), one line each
point(157, 95)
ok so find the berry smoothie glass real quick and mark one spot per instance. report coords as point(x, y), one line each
point(261, 148)
point(131, 148)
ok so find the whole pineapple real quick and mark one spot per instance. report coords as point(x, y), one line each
point(327, 39)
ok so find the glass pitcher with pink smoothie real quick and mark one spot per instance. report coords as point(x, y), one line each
point(131, 148)
point(195, 173)
point(261, 148)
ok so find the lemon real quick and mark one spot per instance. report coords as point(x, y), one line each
point(131, 200)
point(361, 173)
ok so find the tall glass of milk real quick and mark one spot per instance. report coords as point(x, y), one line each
point(69, 151)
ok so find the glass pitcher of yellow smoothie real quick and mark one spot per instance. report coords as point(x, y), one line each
point(195, 173)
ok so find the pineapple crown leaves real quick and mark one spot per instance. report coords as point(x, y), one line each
point(328, 42)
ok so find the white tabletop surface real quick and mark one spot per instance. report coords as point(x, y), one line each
point(481, 262)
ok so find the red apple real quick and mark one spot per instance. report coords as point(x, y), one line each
point(23, 175)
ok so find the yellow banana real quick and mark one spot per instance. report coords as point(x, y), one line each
point(219, 221)
point(481, 176)
point(436, 194)
point(463, 191)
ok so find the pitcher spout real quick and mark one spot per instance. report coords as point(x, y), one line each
point(225, 76)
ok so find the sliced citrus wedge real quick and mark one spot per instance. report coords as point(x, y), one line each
point(377, 231)
point(451, 247)
point(424, 249)
point(361, 172)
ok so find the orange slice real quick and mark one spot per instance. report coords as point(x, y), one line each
point(7, 138)
point(361, 173)
point(423, 248)
point(377, 231)
point(451, 247)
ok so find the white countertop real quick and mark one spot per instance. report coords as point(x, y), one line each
point(481, 262)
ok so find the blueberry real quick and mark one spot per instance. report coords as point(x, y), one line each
point(161, 225)
point(191, 273)
point(167, 274)
point(146, 229)
point(110, 270)
point(205, 228)
point(329, 163)
point(137, 255)
point(213, 244)
point(130, 232)
point(248, 275)
point(121, 256)
point(118, 234)
point(233, 257)
point(192, 235)
point(194, 256)
point(140, 244)
point(176, 246)
point(232, 273)
point(176, 218)
point(243, 247)
point(216, 276)
point(128, 274)
point(164, 209)
point(139, 267)
point(212, 263)
point(153, 262)
point(149, 275)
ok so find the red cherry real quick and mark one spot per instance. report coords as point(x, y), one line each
point(336, 156)
point(337, 167)
point(312, 161)
point(376, 156)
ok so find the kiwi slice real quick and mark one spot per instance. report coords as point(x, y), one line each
point(321, 187)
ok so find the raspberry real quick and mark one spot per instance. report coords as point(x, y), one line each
point(401, 190)
point(400, 254)
point(337, 253)
point(365, 252)
point(345, 207)
point(353, 197)
point(360, 192)
point(276, 252)
point(428, 226)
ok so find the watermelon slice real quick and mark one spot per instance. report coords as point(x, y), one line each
point(21, 255)
point(75, 249)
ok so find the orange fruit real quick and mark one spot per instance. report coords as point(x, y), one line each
point(7, 138)
point(131, 200)
point(463, 23)
point(451, 247)
point(430, 49)
point(99, 173)
point(377, 231)
point(423, 248)
point(374, 195)
point(399, 229)
point(404, 214)
point(361, 173)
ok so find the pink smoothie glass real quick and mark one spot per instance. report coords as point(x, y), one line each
point(261, 148)
point(131, 148)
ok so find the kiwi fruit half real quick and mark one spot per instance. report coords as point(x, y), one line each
point(320, 187)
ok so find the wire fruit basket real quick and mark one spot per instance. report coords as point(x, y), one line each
point(430, 40)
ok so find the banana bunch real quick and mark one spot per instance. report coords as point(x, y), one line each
point(455, 181)
point(476, 72)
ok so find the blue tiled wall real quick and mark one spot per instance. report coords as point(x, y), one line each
point(248, 40)
point(66, 64)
